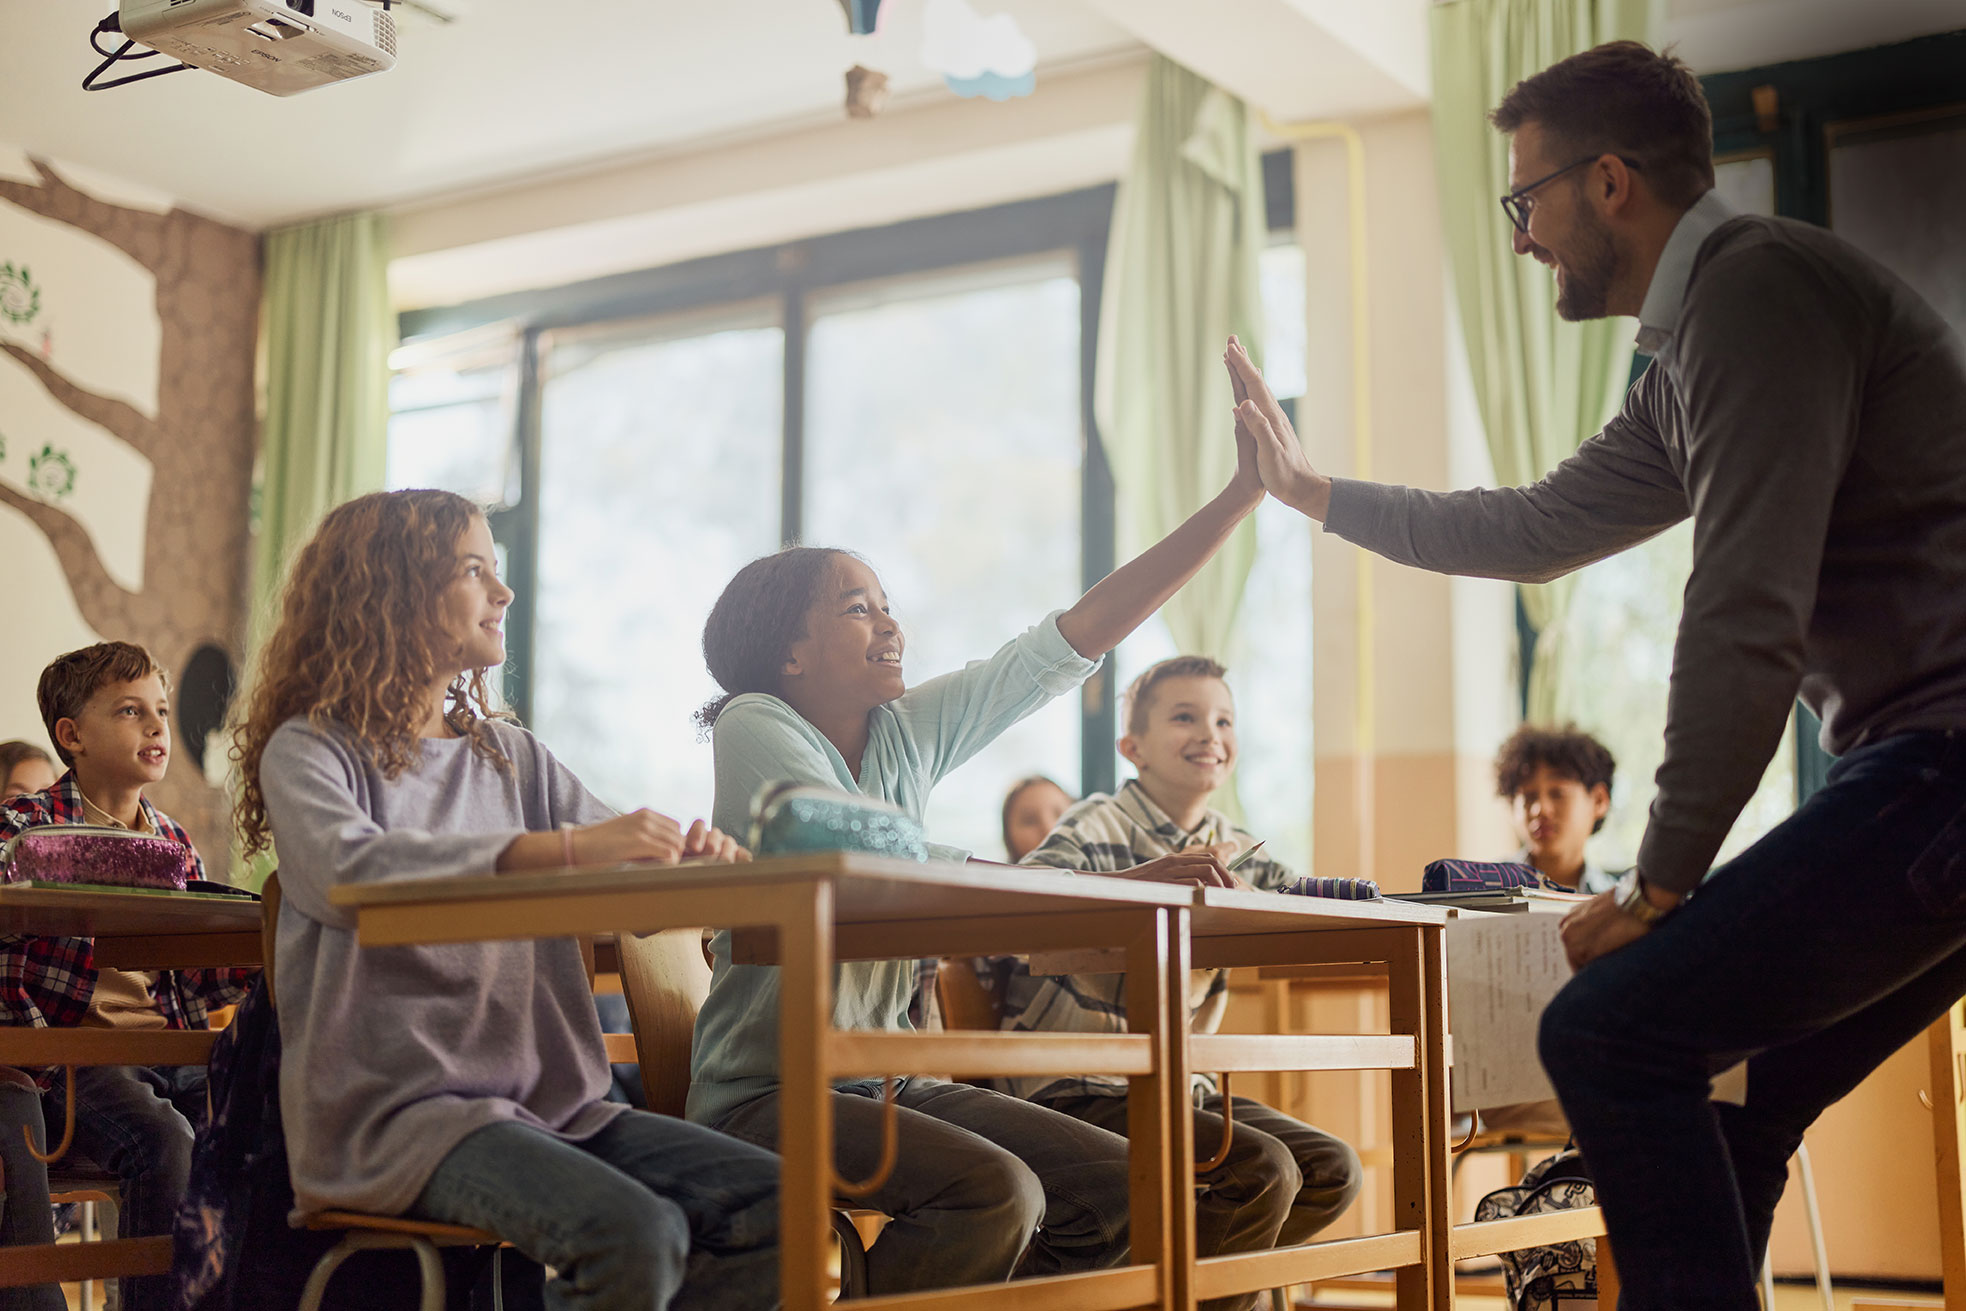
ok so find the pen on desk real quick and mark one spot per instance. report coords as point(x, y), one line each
point(1243, 859)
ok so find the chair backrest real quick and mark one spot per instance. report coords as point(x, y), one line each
point(269, 931)
point(966, 1003)
point(665, 978)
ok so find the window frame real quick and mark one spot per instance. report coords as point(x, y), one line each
point(1074, 223)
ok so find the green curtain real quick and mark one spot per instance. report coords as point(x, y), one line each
point(1542, 385)
point(1181, 275)
point(328, 330)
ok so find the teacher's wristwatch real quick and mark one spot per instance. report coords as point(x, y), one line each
point(1629, 894)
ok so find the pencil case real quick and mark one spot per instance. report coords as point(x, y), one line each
point(95, 853)
point(788, 818)
point(1478, 876)
point(1343, 889)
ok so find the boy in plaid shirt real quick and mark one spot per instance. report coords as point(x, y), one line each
point(1283, 1180)
point(107, 710)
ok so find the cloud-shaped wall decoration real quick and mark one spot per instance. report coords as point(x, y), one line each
point(977, 56)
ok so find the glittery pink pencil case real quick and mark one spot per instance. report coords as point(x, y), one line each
point(95, 853)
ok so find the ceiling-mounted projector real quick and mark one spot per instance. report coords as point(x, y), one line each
point(278, 46)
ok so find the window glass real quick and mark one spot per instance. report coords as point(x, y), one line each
point(451, 417)
point(944, 442)
point(660, 452)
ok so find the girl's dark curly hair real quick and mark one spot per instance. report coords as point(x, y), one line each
point(749, 635)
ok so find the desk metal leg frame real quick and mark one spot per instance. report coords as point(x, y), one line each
point(1162, 1247)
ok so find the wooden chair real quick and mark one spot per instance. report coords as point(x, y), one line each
point(365, 1233)
point(666, 977)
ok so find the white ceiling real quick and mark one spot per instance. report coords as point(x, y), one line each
point(514, 90)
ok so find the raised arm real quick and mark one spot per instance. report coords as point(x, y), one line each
point(1122, 600)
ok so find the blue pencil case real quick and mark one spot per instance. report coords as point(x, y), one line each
point(788, 818)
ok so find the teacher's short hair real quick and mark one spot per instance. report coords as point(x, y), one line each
point(1622, 98)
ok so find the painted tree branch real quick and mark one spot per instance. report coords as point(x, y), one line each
point(122, 421)
point(138, 234)
point(105, 604)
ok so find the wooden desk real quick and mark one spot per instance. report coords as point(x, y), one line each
point(1238, 929)
point(804, 914)
point(133, 930)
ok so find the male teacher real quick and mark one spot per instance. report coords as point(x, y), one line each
point(1808, 410)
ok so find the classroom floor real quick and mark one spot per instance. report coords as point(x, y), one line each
point(1788, 1297)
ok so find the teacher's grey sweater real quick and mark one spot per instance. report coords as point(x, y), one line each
point(1812, 421)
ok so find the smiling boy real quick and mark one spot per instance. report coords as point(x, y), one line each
point(107, 709)
point(1283, 1180)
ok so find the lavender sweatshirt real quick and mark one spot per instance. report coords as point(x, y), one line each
point(392, 1055)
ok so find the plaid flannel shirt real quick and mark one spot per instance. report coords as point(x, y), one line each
point(48, 982)
point(1104, 834)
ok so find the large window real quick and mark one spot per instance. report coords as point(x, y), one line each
point(918, 393)
point(658, 479)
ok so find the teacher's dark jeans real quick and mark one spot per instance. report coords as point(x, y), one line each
point(1822, 949)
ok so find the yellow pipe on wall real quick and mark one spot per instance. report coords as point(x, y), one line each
point(1364, 708)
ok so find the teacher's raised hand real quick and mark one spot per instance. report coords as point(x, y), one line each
point(1287, 474)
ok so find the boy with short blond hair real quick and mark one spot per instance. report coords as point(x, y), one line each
point(107, 710)
point(1283, 1180)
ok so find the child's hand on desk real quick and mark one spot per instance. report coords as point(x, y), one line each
point(712, 844)
point(1200, 868)
point(638, 835)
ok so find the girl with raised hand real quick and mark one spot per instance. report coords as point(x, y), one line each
point(463, 1083)
point(809, 654)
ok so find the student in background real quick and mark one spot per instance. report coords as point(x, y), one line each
point(108, 711)
point(1030, 809)
point(1557, 782)
point(1283, 1180)
point(24, 768)
point(463, 1083)
point(809, 654)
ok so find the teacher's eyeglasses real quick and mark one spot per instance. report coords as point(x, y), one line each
point(1518, 204)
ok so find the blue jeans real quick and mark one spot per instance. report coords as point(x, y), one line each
point(649, 1213)
point(1822, 949)
point(137, 1123)
point(24, 1214)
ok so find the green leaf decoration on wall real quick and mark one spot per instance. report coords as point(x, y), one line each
point(51, 474)
point(20, 299)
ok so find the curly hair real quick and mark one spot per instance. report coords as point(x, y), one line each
point(762, 611)
point(1138, 698)
point(1567, 751)
point(359, 640)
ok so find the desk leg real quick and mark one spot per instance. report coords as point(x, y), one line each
point(805, 1123)
point(1948, 1047)
point(1417, 984)
point(1161, 1211)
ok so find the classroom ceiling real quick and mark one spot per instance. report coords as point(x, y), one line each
point(510, 90)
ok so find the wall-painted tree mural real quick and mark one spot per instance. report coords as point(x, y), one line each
point(99, 434)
